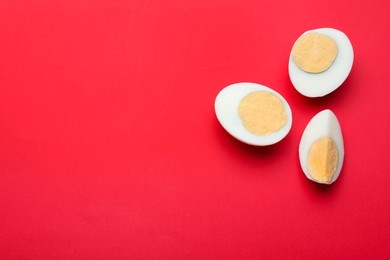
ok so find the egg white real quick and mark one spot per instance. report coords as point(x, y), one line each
point(226, 109)
point(325, 123)
point(321, 84)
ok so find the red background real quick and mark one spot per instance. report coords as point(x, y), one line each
point(110, 148)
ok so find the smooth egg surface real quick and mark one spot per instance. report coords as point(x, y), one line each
point(321, 149)
point(328, 78)
point(253, 113)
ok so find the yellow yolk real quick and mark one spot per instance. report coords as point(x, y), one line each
point(314, 52)
point(262, 113)
point(322, 159)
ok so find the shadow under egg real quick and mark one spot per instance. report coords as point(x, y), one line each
point(233, 144)
point(316, 188)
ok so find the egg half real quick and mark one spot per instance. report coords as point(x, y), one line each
point(320, 61)
point(253, 113)
point(321, 149)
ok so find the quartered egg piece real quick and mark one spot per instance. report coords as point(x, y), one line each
point(320, 61)
point(253, 113)
point(321, 150)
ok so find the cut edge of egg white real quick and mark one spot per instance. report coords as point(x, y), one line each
point(323, 124)
point(226, 109)
point(323, 83)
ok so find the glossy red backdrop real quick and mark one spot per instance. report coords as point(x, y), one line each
point(110, 149)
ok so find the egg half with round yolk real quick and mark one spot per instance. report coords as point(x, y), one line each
point(320, 61)
point(253, 113)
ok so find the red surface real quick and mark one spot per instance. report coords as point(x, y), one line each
point(110, 149)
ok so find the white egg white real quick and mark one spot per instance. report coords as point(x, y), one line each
point(323, 124)
point(226, 109)
point(321, 84)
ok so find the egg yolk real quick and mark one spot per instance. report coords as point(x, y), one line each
point(322, 159)
point(314, 52)
point(262, 113)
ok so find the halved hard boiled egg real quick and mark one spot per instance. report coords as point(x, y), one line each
point(321, 150)
point(320, 61)
point(253, 113)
